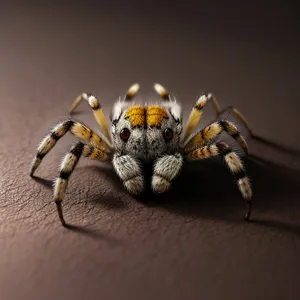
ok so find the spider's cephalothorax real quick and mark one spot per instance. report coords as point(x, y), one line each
point(146, 132)
point(141, 134)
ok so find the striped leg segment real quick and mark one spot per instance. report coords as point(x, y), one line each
point(97, 111)
point(212, 131)
point(162, 92)
point(238, 114)
point(195, 117)
point(132, 91)
point(233, 162)
point(196, 114)
point(77, 129)
point(67, 167)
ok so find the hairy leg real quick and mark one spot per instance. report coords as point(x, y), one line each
point(130, 172)
point(79, 130)
point(97, 111)
point(194, 117)
point(67, 167)
point(211, 131)
point(234, 164)
point(166, 168)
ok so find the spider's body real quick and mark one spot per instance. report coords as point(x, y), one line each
point(145, 134)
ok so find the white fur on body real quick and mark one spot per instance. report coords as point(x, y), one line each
point(129, 170)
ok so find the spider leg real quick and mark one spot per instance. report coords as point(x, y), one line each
point(166, 168)
point(97, 111)
point(68, 165)
point(130, 172)
point(231, 108)
point(196, 113)
point(194, 117)
point(132, 91)
point(79, 130)
point(213, 130)
point(162, 92)
point(233, 162)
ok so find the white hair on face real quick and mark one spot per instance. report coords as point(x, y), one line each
point(175, 109)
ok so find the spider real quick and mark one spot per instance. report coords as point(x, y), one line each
point(141, 134)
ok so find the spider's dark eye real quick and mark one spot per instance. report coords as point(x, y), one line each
point(125, 134)
point(168, 134)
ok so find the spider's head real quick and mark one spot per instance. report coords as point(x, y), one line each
point(128, 126)
point(128, 130)
point(146, 132)
point(164, 125)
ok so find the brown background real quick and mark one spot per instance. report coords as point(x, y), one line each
point(193, 242)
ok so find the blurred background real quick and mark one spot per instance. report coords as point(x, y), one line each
point(244, 52)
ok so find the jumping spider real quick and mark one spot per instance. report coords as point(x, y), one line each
point(143, 134)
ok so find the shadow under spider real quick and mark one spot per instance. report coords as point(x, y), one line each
point(207, 190)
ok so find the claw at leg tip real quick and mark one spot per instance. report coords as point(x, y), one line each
point(248, 213)
point(31, 172)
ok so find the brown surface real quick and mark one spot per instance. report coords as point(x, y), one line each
point(193, 244)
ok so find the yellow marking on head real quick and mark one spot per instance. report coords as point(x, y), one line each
point(136, 115)
point(155, 115)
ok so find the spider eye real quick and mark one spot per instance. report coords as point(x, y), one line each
point(168, 134)
point(125, 134)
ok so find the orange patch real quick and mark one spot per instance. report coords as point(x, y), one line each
point(136, 116)
point(152, 115)
point(155, 115)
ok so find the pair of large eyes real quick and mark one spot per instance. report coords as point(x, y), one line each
point(125, 134)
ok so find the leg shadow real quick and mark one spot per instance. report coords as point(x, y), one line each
point(48, 183)
point(99, 194)
point(92, 233)
point(274, 145)
point(207, 190)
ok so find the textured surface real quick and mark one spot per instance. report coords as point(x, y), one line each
point(192, 243)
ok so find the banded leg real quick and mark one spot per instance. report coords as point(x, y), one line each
point(210, 132)
point(231, 108)
point(77, 129)
point(67, 167)
point(130, 172)
point(194, 117)
point(97, 111)
point(166, 168)
point(132, 91)
point(233, 162)
point(197, 112)
point(163, 93)
point(237, 113)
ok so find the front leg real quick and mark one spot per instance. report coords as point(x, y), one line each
point(129, 170)
point(166, 168)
